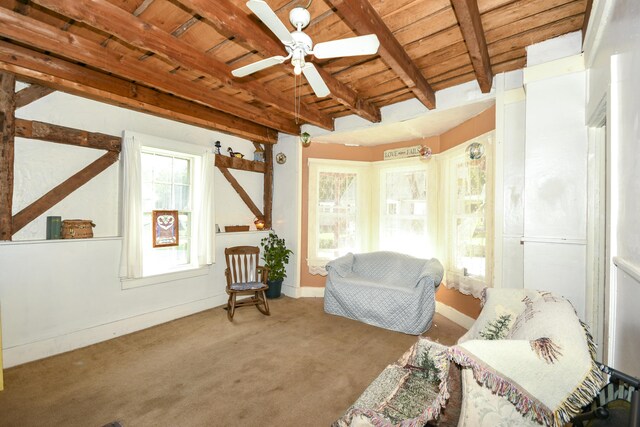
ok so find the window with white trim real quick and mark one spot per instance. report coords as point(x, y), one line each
point(408, 217)
point(468, 207)
point(338, 205)
point(363, 206)
point(167, 184)
point(162, 174)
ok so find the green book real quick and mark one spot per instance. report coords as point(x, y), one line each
point(54, 224)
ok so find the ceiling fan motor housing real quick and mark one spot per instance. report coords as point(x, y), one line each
point(299, 17)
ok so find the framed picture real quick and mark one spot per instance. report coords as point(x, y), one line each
point(165, 228)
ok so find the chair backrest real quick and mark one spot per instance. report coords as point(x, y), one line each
point(242, 264)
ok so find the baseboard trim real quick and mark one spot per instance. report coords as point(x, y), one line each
point(24, 353)
point(311, 292)
point(454, 315)
point(291, 291)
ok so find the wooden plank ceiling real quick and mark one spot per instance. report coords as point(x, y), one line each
point(173, 58)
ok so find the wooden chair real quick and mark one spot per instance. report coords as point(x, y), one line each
point(245, 277)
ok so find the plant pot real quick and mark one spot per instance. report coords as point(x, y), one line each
point(275, 288)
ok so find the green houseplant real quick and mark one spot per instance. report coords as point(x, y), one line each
point(276, 257)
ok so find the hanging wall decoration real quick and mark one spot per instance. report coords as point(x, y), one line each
point(425, 152)
point(165, 228)
point(475, 150)
point(281, 158)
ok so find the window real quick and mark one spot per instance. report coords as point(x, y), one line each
point(405, 223)
point(435, 208)
point(468, 208)
point(160, 174)
point(167, 184)
point(363, 206)
point(338, 202)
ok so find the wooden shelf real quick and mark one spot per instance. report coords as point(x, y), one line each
point(240, 164)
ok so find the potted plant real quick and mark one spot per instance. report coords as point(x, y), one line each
point(276, 257)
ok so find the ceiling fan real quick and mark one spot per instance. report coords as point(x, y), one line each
point(299, 45)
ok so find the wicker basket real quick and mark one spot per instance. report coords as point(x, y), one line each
point(77, 228)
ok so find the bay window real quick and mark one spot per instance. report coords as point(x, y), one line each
point(440, 207)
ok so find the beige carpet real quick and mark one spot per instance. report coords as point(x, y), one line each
point(298, 367)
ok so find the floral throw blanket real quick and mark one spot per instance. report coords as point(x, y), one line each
point(408, 393)
point(531, 348)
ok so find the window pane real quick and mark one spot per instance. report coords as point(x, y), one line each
point(181, 171)
point(166, 185)
point(181, 197)
point(469, 226)
point(162, 196)
point(336, 214)
point(162, 168)
point(404, 213)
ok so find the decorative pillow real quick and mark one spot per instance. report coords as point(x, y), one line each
point(531, 348)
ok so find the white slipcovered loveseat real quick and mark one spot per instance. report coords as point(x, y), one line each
point(386, 289)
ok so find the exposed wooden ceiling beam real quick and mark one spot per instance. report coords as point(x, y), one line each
point(37, 67)
point(30, 94)
point(107, 17)
point(350, 98)
point(48, 38)
point(229, 19)
point(471, 27)
point(363, 18)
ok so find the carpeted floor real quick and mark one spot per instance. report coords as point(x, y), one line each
point(298, 367)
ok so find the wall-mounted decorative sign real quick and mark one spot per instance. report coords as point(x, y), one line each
point(165, 228)
point(402, 153)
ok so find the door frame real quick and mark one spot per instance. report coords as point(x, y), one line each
point(598, 225)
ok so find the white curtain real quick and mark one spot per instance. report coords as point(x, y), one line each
point(131, 257)
point(206, 224)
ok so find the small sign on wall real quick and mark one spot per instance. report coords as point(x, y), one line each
point(402, 153)
point(165, 228)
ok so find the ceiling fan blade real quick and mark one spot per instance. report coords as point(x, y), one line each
point(257, 66)
point(353, 46)
point(315, 80)
point(262, 10)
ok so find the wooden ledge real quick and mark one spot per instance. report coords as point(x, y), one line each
point(240, 164)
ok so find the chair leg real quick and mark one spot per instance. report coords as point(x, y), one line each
point(231, 307)
point(261, 303)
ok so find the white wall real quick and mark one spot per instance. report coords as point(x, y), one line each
point(60, 295)
point(509, 180)
point(287, 206)
point(541, 172)
point(555, 184)
point(612, 53)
